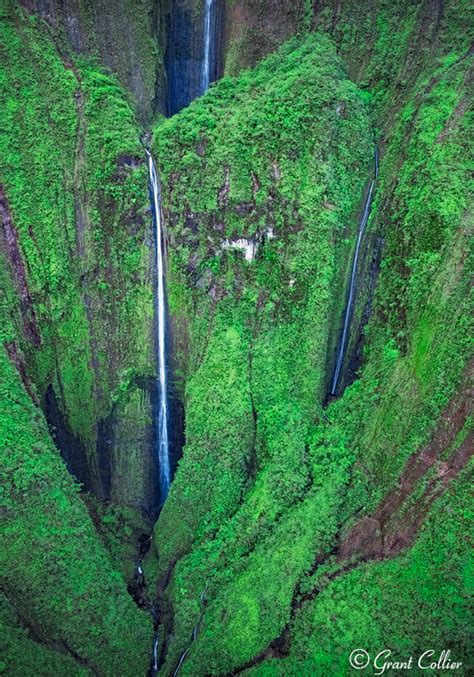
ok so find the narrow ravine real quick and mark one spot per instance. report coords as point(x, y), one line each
point(209, 36)
point(194, 634)
point(236, 395)
point(193, 52)
point(162, 422)
point(154, 663)
point(163, 418)
point(349, 310)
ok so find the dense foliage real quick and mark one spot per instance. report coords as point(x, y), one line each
point(75, 289)
point(75, 184)
point(266, 488)
point(410, 605)
point(62, 600)
point(298, 527)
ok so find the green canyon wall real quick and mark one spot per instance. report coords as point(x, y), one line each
point(270, 482)
point(297, 528)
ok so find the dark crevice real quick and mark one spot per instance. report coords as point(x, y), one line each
point(104, 447)
point(10, 246)
point(351, 330)
point(71, 448)
point(185, 52)
point(194, 634)
point(164, 613)
point(17, 360)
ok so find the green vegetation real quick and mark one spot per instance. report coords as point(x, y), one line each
point(255, 28)
point(253, 507)
point(21, 655)
point(388, 605)
point(57, 577)
point(262, 184)
point(268, 150)
point(43, 211)
point(75, 182)
point(75, 192)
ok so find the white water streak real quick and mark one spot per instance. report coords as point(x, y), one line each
point(353, 283)
point(154, 666)
point(163, 443)
point(206, 62)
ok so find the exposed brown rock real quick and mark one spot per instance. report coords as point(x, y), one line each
point(16, 359)
point(255, 184)
point(223, 195)
point(365, 537)
point(395, 523)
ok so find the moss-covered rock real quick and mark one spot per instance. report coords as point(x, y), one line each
point(127, 36)
point(261, 205)
point(253, 166)
point(259, 551)
point(253, 29)
point(65, 603)
point(78, 253)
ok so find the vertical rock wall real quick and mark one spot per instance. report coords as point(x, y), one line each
point(125, 35)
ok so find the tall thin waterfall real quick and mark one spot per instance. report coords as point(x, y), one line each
point(163, 442)
point(154, 664)
point(206, 62)
point(353, 283)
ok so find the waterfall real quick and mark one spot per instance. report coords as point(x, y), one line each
point(353, 283)
point(206, 62)
point(193, 51)
point(154, 666)
point(162, 427)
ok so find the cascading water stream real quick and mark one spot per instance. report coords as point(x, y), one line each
point(163, 442)
point(206, 62)
point(162, 427)
point(154, 664)
point(353, 283)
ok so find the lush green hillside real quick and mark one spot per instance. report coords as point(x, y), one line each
point(74, 271)
point(413, 604)
point(74, 193)
point(299, 526)
point(65, 609)
point(270, 485)
point(249, 161)
point(127, 37)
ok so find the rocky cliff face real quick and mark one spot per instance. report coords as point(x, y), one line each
point(284, 512)
point(76, 318)
point(254, 29)
point(126, 36)
point(276, 482)
point(76, 246)
point(64, 608)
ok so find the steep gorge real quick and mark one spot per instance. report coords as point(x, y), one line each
point(291, 534)
point(287, 480)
